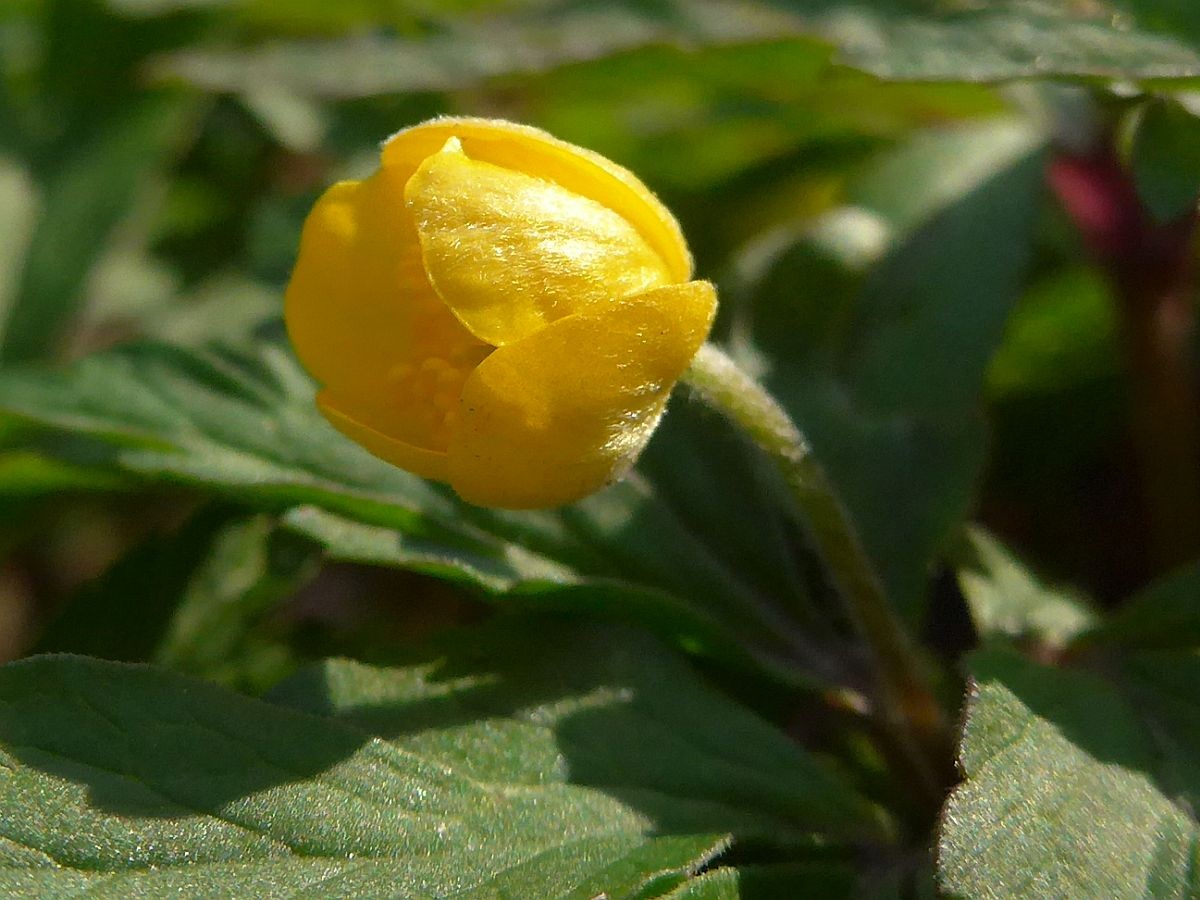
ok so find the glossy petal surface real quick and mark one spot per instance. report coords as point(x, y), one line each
point(365, 320)
point(553, 417)
point(510, 253)
point(496, 309)
point(534, 152)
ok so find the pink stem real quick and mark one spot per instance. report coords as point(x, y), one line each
point(1151, 268)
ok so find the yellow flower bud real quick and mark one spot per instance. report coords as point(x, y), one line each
point(496, 309)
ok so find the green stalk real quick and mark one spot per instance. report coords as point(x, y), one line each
point(906, 706)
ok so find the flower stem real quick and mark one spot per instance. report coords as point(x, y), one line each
point(909, 712)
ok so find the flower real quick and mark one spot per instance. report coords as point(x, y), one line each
point(496, 309)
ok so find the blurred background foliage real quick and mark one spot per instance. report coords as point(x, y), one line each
point(957, 238)
point(863, 180)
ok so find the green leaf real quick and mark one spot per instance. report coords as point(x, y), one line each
point(717, 884)
point(1057, 383)
point(30, 480)
point(1006, 599)
point(84, 196)
point(537, 699)
point(1164, 615)
point(702, 124)
point(901, 40)
point(223, 307)
point(1166, 158)
point(464, 52)
point(125, 612)
point(769, 882)
point(191, 600)
point(1062, 335)
point(243, 424)
point(933, 170)
point(123, 779)
point(26, 474)
point(881, 359)
point(249, 567)
point(134, 780)
point(1076, 786)
point(147, 9)
point(1003, 40)
point(932, 312)
point(1163, 688)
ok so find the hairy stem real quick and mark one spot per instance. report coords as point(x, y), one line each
point(908, 710)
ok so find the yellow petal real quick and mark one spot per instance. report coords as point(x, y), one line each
point(509, 253)
point(419, 461)
point(364, 318)
point(520, 148)
point(556, 416)
point(345, 308)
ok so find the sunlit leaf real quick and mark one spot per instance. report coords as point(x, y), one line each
point(245, 425)
point(483, 772)
point(904, 40)
point(1076, 786)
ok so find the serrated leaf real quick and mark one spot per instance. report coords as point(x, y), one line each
point(1004, 40)
point(902, 40)
point(1073, 783)
point(536, 700)
point(162, 784)
point(717, 884)
point(463, 52)
point(243, 424)
point(121, 779)
point(1006, 599)
point(877, 336)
